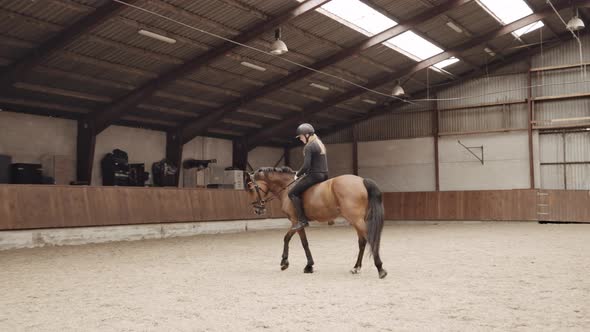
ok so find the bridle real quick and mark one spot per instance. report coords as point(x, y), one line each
point(260, 203)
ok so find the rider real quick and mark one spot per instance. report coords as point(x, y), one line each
point(314, 170)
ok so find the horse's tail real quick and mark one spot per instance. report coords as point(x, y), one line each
point(375, 215)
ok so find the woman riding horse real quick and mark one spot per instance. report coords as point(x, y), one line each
point(313, 171)
point(356, 199)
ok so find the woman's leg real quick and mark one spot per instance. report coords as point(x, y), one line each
point(295, 195)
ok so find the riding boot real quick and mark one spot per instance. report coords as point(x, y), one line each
point(301, 218)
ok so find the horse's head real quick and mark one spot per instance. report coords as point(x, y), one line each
point(258, 189)
point(267, 183)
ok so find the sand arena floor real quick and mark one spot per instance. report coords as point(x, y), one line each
point(451, 277)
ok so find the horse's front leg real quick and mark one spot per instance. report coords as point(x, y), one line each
point(309, 267)
point(285, 257)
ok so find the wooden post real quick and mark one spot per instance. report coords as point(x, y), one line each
point(530, 118)
point(436, 132)
point(85, 146)
point(287, 155)
point(174, 152)
point(355, 151)
point(239, 155)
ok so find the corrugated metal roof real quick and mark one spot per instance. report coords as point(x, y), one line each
point(388, 57)
point(48, 11)
point(400, 9)
point(23, 28)
point(272, 8)
point(116, 59)
point(125, 31)
point(439, 33)
point(218, 12)
point(220, 78)
point(335, 34)
point(150, 21)
point(474, 18)
point(120, 55)
point(259, 106)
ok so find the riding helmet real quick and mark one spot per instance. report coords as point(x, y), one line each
point(305, 129)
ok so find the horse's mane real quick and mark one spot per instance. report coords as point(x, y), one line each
point(283, 170)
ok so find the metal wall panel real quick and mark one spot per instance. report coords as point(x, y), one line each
point(551, 148)
point(488, 118)
point(397, 125)
point(552, 177)
point(577, 146)
point(565, 54)
point(562, 109)
point(560, 82)
point(578, 177)
point(577, 149)
point(484, 91)
point(342, 136)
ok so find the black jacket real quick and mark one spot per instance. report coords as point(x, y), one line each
point(314, 161)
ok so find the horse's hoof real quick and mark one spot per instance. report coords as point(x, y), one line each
point(308, 269)
point(355, 270)
point(284, 266)
point(382, 274)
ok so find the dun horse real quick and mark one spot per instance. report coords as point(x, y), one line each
point(356, 199)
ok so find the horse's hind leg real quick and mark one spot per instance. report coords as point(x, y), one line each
point(285, 257)
point(379, 265)
point(361, 228)
point(359, 261)
point(309, 267)
point(362, 235)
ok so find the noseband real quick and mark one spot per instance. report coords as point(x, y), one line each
point(261, 201)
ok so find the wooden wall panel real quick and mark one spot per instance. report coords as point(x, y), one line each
point(7, 219)
point(461, 205)
point(105, 205)
point(29, 206)
point(567, 205)
point(175, 205)
point(450, 205)
point(524, 204)
point(222, 205)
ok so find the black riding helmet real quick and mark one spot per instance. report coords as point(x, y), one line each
point(304, 129)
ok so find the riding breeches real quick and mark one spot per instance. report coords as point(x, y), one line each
point(305, 183)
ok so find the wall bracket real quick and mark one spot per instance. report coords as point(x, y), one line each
point(471, 148)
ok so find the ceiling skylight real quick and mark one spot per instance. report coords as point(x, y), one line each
point(446, 63)
point(529, 28)
point(507, 11)
point(414, 46)
point(358, 16)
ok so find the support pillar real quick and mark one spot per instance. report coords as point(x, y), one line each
point(174, 152)
point(355, 151)
point(85, 146)
point(239, 155)
point(530, 119)
point(436, 136)
point(287, 155)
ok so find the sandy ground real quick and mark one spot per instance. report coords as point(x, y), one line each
point(452, 277)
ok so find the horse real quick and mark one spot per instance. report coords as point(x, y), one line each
point(356, 199)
